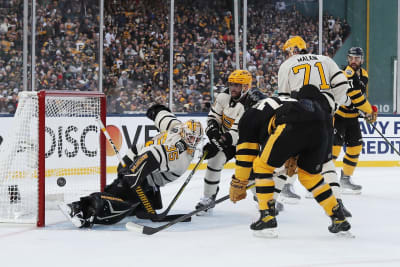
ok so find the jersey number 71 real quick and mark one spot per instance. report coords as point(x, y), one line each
point(307, 69)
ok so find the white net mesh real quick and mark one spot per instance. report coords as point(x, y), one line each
point(72, 155)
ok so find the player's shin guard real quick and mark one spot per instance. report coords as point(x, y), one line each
point(213, 174)
point(331, 177)
point(265, 185)
point(336, 152)
point(350, 159)
point(321, 191)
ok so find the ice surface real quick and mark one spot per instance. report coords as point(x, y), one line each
point(224, 239)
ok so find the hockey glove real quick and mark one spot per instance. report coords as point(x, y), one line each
point(291, 166)
point(153, 111)
point(212, 130)
point(237, 190)
point(371, 118)
point(211, 149)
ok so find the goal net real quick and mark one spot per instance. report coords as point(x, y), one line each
point(54, 152)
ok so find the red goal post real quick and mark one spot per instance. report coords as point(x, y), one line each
point(65, 158)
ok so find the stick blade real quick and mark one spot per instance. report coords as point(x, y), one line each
point(131, 226)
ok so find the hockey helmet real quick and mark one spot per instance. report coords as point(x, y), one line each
point(296, 43)
point(356, 52)
point(242, 77)
point(192, 132)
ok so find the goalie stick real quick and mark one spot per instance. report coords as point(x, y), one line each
point(162, 217)
point(148, 230)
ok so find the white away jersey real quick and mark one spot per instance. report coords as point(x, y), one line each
point(174, 159)
point(321, 71)
point(227, 113)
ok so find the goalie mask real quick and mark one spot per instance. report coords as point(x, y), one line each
point(192, 132)
point(239, 83)
point(294, 45)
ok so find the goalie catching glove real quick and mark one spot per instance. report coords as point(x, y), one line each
point(291, 166)
point(371, 118)
point(237, 190)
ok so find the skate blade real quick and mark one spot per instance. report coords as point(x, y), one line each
point(266, 233)
point(208, 212)
point(64, 209)
point(345, 234)
point(131, 226)
point(67, 211)
point(309, 196)
point(290, 200)
point(346, 191)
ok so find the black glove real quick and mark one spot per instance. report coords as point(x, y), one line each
point(211, 149)
point(253, 96)
point(122, 171)
point(222, 144)
point(153, 111)
point(212, 130)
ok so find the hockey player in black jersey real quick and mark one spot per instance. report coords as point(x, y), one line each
point(270, 133)
point(347, 128)
point(136, 190)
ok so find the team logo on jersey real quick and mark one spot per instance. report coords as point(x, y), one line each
point(227, 122)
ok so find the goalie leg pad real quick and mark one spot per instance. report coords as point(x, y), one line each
point(106, 208)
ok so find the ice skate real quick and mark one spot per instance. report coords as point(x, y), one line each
point(279, 205)
point(346, 213)
point(347, 185)
point(309, 195)
point(266, 226)
point(74, 213)
point(288, 195)
point(340, 226)
point(206, 201)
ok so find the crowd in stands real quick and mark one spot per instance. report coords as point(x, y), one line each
point(136, 48)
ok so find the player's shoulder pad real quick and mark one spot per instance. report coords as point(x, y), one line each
point(364, 73)
point(223, 97)
point(348, 72)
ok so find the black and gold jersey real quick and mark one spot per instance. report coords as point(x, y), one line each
point(357, 94)
point(254, 127)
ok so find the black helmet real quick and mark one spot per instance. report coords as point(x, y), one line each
point(355, 51)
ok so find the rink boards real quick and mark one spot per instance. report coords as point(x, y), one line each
point(132, 129)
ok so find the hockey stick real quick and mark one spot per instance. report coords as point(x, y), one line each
point(165, 212)
point(386, 140)
point(138, 189)
point(379, 132)
point(148, 230)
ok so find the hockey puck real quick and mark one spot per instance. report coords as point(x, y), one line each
point(61, 181)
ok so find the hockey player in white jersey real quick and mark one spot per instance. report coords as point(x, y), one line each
point(302, 68)
point(222, 131)
point(136, 190)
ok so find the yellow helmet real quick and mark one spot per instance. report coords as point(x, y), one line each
point(192, 132)
point(241, 77)
point(293, 43)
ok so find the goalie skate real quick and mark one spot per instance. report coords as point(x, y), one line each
point(75, 215)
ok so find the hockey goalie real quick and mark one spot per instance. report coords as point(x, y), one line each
point(135, 192)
